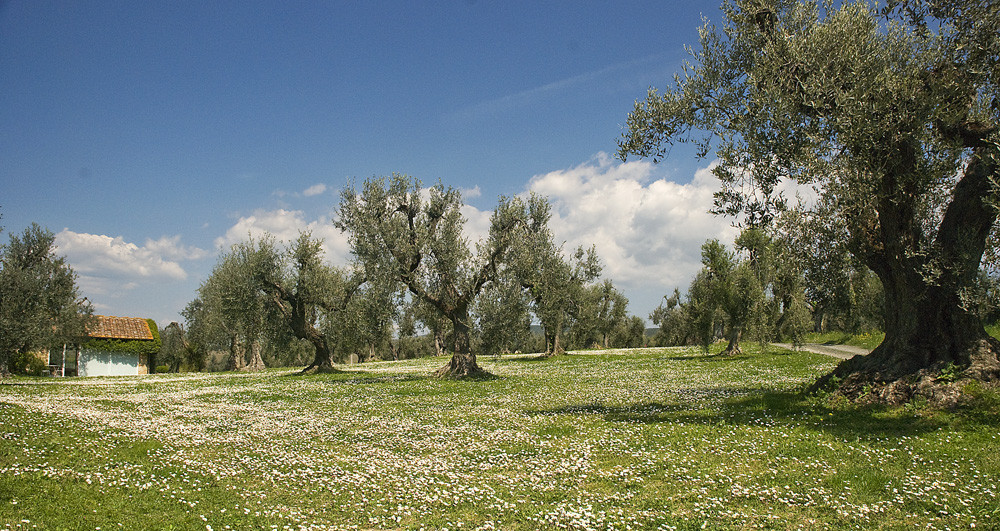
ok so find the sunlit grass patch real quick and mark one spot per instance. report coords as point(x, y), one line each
point(658, 438)
point(868, 340)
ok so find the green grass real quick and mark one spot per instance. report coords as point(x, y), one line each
point(993, 330)
point(647, 439)
point(868, 340)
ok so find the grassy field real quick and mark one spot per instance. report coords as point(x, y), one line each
point(651, 439)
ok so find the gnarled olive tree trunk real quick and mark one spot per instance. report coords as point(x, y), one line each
point(463, 359)
point(256, 362)
point(237, 354)
point(929, 322)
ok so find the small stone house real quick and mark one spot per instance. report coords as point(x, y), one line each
point(118, 346)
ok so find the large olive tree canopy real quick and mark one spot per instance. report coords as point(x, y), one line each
point(891, 111)
point(403, 232)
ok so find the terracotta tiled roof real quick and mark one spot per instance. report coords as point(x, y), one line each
point(120, 328)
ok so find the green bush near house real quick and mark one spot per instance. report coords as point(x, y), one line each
point(27, 364)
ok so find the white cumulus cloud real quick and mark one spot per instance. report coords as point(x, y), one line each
point(170, 247)
point(109, 267)
point(315, 189)
point(471, 193)
point(285, 226)
point(648, 230)
point(105, 256)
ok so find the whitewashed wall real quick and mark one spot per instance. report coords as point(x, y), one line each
point(100, 363)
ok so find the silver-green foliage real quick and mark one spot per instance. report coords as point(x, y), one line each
point(402, 232)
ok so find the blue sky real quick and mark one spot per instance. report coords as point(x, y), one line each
point(149, 136)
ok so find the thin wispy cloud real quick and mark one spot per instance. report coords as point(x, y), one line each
point(611, 73)
point(314, 190)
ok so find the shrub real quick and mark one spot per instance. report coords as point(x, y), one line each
point(28, 364)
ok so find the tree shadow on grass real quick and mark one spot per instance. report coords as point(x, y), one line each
point(709, 358)
point(367, 378)
point(528, 358)
point(357, 377)
point(688, 357)
point(361, 378)
point(756, 407)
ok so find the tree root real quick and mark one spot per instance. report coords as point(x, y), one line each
point(867, 380)
point(462, 368)
point(730, 352)
point(320, 369)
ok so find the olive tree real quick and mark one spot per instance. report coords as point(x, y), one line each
point(366, 324)
point(39, 301)
point(841, 291)
point(630, 333)
point(556, 285)
point(309, 296)
point(892, 114)
point(175, 349)
point(413, 235)
point(675, 321)
point(437, 325)
point(235, 305)
point(504, 316)
point(732, 288)
point(600, 310)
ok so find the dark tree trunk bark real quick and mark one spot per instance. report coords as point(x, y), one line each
point(927, 329)
point(463, 360)
point(733, 348)
point(303, 328)
point(438, 350)
point(928, 326)
point(553, 341)
point(553, 338)
point(323, 359)
point(301, 318)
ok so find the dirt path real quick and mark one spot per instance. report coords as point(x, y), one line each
point(837, 351)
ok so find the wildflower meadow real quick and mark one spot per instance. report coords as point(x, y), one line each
point(633, 439)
